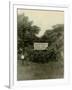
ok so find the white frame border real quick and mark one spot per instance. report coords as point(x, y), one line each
point(12, 41)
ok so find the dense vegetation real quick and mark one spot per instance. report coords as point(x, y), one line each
point(26, 36)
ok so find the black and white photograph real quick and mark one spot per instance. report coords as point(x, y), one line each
point(40, 44)
point(36, 44)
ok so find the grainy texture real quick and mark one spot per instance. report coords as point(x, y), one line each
point(45, 60)
point(35, 71)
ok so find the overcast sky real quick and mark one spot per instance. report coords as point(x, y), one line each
point(44, 19)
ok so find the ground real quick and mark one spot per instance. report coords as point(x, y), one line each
point(34, 71)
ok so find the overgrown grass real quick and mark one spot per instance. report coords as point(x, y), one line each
point(35, 71)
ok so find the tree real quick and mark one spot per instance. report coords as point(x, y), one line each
point(26, 32)
point(55, 39)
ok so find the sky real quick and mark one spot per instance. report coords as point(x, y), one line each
point(45, 19)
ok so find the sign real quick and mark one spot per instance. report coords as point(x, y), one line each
point(40, 46)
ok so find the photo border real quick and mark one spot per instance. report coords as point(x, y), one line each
point(13, 46)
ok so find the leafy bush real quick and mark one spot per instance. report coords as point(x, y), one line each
point(42, 56)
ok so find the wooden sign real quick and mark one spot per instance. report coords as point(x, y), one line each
point(40, 46)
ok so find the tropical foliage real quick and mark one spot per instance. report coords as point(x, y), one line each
point(26, 36)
